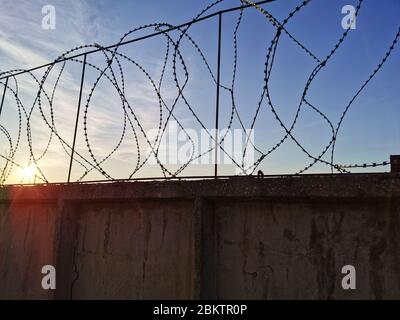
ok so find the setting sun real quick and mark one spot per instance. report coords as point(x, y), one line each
point(29, 172)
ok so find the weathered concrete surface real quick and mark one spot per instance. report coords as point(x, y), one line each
point(238, 238)
point(27, 239)
point(297, 249)
point(127, 250)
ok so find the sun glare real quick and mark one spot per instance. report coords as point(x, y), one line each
point(29, 172)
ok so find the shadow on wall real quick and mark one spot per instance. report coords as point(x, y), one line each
point(239, 238)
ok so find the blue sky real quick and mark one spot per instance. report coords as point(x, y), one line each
point(370, 131)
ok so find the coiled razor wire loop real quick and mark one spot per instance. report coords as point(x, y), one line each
point(132, 129)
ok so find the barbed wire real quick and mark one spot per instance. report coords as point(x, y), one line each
point(174, 64)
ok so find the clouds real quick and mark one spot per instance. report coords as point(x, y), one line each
point(23, 42)
point(19, 55)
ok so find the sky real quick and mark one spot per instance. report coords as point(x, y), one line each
point(369, 133)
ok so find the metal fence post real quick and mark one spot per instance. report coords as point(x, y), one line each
point(4, 95)
point(77, 117)
point(217, 102)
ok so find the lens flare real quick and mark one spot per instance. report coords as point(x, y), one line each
point(29, 172)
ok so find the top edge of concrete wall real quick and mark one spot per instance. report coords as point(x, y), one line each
point(382, 185)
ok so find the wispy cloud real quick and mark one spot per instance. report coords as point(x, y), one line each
point(23, 42)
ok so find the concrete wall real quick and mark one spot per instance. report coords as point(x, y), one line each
point(238, 238)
